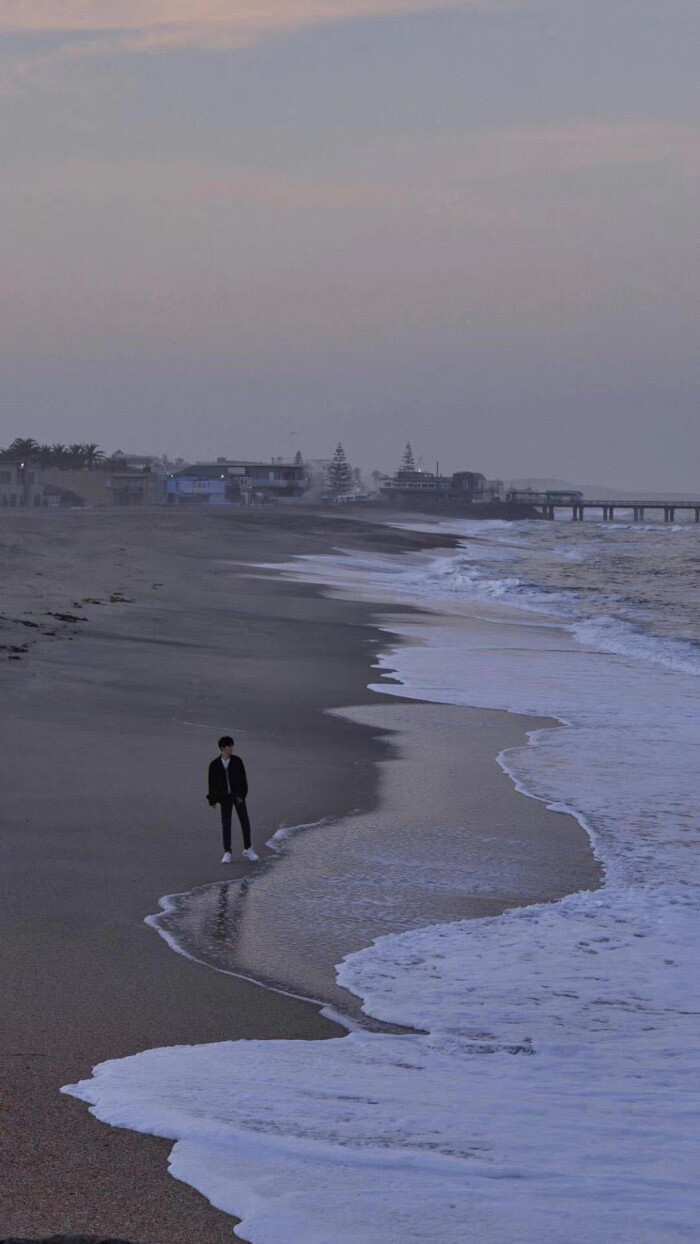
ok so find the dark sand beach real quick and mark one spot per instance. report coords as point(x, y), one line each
point(165, 641)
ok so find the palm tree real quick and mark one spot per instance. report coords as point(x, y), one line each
point(23, 449)
point(93, 456)
point(65, 457)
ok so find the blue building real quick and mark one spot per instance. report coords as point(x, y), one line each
point(187, 489)
point(243, 482)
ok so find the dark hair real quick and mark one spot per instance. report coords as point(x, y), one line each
point(226, 741)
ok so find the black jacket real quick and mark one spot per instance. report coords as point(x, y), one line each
point(236, 777)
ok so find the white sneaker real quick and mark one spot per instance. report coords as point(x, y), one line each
point(250, 854)
point(226, 857)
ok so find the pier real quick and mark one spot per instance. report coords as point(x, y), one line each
point(549, 503)
point(638, 509)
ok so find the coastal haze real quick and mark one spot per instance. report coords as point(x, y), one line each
point(241, 230)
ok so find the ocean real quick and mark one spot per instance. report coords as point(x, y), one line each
point(521, 1077)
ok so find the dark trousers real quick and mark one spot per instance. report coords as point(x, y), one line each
point(227, 806)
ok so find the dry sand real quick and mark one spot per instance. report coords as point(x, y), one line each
point(109, 724)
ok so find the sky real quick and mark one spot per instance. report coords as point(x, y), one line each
point(247, 227)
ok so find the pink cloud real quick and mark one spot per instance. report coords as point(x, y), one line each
point(204, 23)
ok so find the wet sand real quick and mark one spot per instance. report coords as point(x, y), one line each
point(449, 838)
point(109, 725)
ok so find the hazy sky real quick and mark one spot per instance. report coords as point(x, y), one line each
point(244, 227)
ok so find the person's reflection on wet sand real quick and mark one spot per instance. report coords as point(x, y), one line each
point(227, 913)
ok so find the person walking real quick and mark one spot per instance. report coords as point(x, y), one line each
point(228, 786)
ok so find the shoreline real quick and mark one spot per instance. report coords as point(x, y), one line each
point(458, 848)
point(89, 982)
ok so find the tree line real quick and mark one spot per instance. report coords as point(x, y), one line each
point(341, 477)
point(76, 457)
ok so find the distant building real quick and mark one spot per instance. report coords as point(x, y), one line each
point(138, 462)
point(245, 482)
point(188, 489)
point(19, 487)
point(414, 484)
point(563, 496)
point(551, 496)
point(425, 489)
point(470, 483)
point(131, 488)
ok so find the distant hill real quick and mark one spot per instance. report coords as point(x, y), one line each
point(544, 485)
